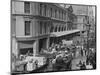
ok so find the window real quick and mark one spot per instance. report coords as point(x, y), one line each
point(55, 29)
point(59, 29)
point(59, 14)
point(51, 12)
point(45, 10)
point(62, 29)
point(65, 28)
point(40, 9)
point(45, 27)
point(41, 24)
point(62, 15)
point(27, 27)
point(27, 7)
point(13, 26)
point(55, 13)
point(51, 29)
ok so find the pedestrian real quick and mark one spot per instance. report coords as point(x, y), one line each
point(80, 64)
point(85, 52)
point(59, 64)
point(81, 52)
point(25, 67)
point(30, 65)
point(53, 50)
point(36, 64)
point(83, 66)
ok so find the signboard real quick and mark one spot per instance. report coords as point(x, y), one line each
point(67, 42)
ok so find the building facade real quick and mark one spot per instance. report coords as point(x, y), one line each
point(36, 25)
point(81, 11)
point(32, 23)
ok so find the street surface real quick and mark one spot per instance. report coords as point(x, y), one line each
point(77, 59)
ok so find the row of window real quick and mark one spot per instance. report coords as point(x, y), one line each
point(43, 27)
point(58, 28)
point(63, 28)
point(52, 12)
point(47, 11)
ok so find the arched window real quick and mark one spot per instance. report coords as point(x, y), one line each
point(55, 29)
point(65, 28)
point(59, 29)
point(52, 29)
point(62, 28)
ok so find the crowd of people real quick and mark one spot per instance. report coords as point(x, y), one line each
point(60, 57)
point(60, 53)
point(90, 62)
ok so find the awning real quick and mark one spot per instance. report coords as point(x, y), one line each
point(25, 45)
point(58, 34)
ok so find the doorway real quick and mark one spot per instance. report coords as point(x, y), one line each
point(42, 44)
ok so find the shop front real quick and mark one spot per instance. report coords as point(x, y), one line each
point(28, 51)
point(28, 47)
point(43, 44)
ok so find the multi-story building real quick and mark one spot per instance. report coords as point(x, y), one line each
point(32, 23)
point(81, 11)
point(36, 25)
point(85, 16)
point(92, 28)
point(71, 30)
point(91, 14)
